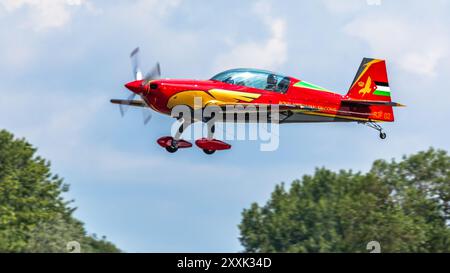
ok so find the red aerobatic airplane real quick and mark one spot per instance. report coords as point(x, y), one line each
point(368, 100)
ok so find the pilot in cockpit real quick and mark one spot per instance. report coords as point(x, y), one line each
point(271, 82)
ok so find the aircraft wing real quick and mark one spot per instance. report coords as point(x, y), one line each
point(258, 107)
point(137, 103)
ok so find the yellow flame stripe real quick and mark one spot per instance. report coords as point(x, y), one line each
point(215, 96)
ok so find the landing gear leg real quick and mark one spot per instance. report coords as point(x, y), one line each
point(173, 143)
point(377, 127)
point(211, 126)
point(209, 144)
point(174, 146)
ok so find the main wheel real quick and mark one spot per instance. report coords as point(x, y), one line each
point(382, 135)
point(209, 152)
point(171, 149)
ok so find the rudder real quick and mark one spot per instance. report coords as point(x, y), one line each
point(370, 82)
point(371, 87)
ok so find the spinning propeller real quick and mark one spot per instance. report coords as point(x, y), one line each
point(136, 86)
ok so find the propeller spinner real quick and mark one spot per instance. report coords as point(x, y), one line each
point(139, 82)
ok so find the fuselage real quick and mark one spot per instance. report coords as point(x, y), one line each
point(244, 86)
point(164, 94)
point(258, 96)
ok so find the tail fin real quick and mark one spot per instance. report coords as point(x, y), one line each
point(370, 87)
point(370, 82)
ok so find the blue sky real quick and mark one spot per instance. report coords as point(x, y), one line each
point(62, 60)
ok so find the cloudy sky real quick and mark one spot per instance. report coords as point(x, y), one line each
point(62, 60)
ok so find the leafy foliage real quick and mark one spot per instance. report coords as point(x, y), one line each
point(34, 217)
point(403, 205)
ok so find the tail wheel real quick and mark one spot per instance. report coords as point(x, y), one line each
point(209, 152)
point(171, 149)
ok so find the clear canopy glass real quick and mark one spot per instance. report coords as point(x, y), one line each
point(254, 78)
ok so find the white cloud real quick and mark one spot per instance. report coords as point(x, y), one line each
point(45, 14)
point(344, 6)
point(153, 7)
point(57, 121)
point(16, 56)
point(268, 54)
point(416, 47)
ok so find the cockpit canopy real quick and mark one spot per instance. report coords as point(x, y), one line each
point(255, 78)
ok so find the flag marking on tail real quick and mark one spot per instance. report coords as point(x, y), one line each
point(382, 89)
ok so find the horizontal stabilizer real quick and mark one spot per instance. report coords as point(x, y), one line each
point(372, 102)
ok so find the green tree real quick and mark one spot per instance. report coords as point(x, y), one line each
point(403, 205)
point(34, 217)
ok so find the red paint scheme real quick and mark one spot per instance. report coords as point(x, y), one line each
point(167, 142)
point(159, 97)
point(356, 105)
point(329, 103)
point(368, 100)
point(166, 88)
point(135, 87)
point(212, 144)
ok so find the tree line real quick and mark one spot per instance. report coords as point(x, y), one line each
point(34, 216)
point(404, 206)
